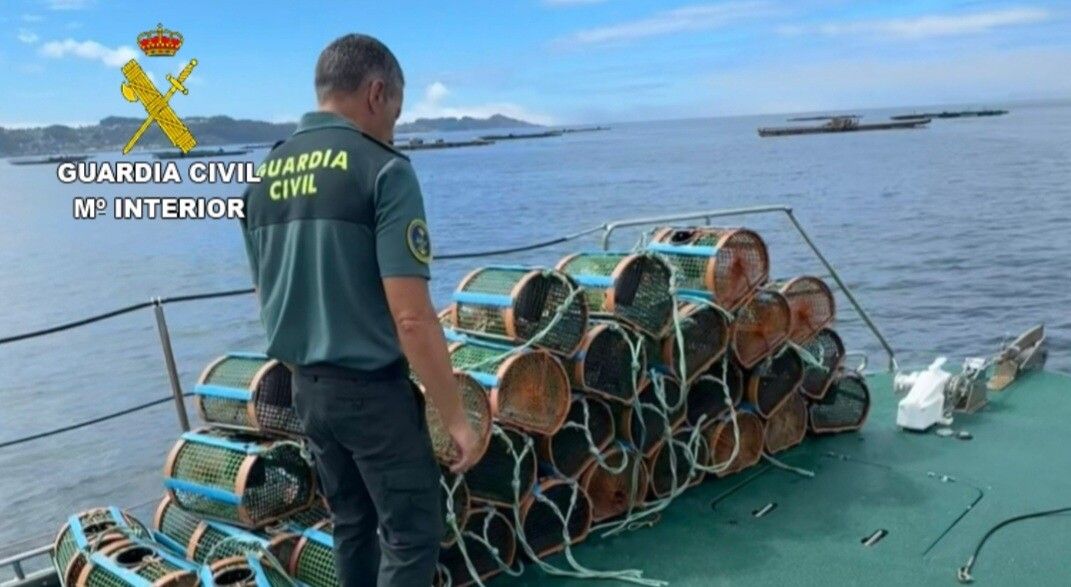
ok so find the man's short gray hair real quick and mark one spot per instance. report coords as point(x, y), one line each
point(351, 60)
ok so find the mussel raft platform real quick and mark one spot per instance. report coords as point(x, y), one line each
point(935, 497)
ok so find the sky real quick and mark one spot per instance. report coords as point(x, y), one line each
point(547, 61)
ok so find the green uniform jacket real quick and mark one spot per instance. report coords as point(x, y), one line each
point(334, 213)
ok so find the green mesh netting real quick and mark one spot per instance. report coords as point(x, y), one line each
point(241, 572)
point(844, 407)
point(492, 477)
point(140, 559)
point(314, 563)
point(603, 365)
point(774, 380)
point(534, 306)
point(272, 395)
point(99, 527)
point(738, 267)
point(641, 295)
point(312, 516)
point(828, 348)
point(705, 331)
point(543, 526)
point(276, 483)
point(176, 523)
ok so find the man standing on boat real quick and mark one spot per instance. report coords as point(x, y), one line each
point(339, 248)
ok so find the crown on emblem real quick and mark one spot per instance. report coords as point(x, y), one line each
point(161, 42)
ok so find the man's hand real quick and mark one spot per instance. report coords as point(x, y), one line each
point(466, 444)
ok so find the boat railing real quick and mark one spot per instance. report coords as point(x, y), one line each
point(158, 304)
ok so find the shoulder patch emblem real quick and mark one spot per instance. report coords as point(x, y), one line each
point(419, 240)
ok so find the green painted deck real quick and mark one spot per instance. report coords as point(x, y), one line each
point(935, 496)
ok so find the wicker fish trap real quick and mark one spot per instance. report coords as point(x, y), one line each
point(812, 304)
point(722, 440)
point(845, 406)
point(705, 332)
point(491, 479)
point(708, 399)
point(238, 478)
point(671, 465)
point(247, 570)
point(477, 409)
point(589, 428)
point(603, 364)
point(517, 304)
point(617, 484)
point(492, 529)
point(555, 509)
point(787, 425)
point(88, 532)
point(455, 500)
point(770, 384)
point(527, 389)
point(641, 426)
point(761, 327)
point(313, 561)
point(136, 562)
point(247, 391)
point(730, 263)
point(827, 349)
point(633, 288)
point(664, 393)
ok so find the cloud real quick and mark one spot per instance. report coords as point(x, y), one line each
point(920, 27)
point(701, 17)
point(68, 4)
point(32, 18)
point(88, 50)
point(976, 78)
point(27, 37)
point(431, 106)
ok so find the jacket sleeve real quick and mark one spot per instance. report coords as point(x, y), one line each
point(403, 244)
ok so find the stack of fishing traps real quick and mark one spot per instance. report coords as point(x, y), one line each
point(601, 389)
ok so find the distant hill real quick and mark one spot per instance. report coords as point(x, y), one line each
point(464, 123)
point(112, 132)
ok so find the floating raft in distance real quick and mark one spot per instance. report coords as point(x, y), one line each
point(830, 117)
point(841, 124)
point(420, 144)
point(197, 153)
point(584, 129)
point(529, 135)
point(947, 114)
point(50, 160)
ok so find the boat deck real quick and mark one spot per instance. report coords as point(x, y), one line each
point(936, 497)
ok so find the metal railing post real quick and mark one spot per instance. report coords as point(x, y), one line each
point(893, 366)
point(169, 362)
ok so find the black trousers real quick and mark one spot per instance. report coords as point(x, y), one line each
point(378, 472)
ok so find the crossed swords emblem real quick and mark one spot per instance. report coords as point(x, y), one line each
point(138, 87)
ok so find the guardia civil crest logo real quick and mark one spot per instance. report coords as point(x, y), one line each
point(139, 88)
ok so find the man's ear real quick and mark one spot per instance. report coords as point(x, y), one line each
point(376, 96)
